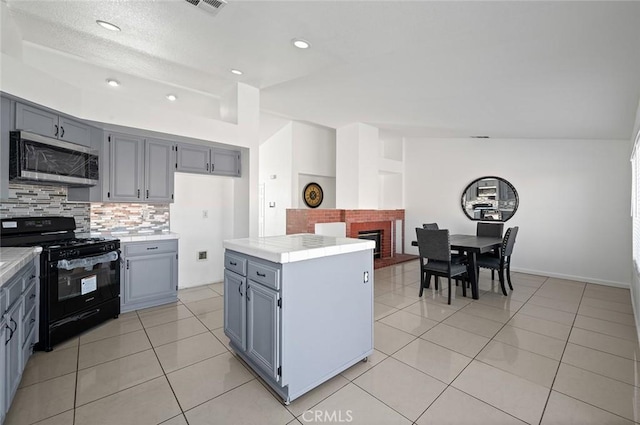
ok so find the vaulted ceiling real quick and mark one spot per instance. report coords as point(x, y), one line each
point(418, 68)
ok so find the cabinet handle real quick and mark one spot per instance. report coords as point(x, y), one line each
point(61, 131)
point(233, 263)
point(207, 166)
point(153, 247)
point(127, 264)
point(240, 289)
point(32, 296)
point(6, 341)
point(14, 322)
point(261, 274)
point(248, 299)
point(56, 126)
point(213, 167)
point(147, 193)
point(138, 193)
point(32, 276)
point(32, 320)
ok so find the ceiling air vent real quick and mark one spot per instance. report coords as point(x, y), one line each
point(209, 6)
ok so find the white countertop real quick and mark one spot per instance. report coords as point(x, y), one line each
point(136, 236)
point(298, 247)
point(12, 259)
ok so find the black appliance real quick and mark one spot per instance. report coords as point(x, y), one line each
point(33, 157)
point(79, 277)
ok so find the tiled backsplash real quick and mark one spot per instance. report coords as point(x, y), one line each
point(116, 217)
point(26, 200)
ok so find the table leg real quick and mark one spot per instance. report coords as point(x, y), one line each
point(473, 276)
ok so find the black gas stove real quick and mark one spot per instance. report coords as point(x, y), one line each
point(79, 277)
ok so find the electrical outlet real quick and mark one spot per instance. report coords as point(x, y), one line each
point(202, 255)
point(366, 277)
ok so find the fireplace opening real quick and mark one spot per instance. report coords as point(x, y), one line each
point(372, 235)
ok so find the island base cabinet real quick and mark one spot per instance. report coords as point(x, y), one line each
point(318, 324)
point(149, 274)
point(263, 328)
point(235, 308)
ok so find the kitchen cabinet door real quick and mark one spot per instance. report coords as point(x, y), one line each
point(263, 328)
point(193, 159)
point(235, 308)
point(74, 131)
point(6, 125)
point(125, 168)
point(13, 352)
point(36, 120)
point(159, 163)
point(225, 162)
point(150, 277)
point(3, 369)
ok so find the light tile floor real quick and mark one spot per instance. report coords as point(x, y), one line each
point(552, 352)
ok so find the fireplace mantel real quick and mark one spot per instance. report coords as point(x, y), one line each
point(304, 221)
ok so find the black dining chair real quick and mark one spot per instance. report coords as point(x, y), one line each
point(493, 230)
point(502, 262)
point(431, 226)
point(434, 248)
point(456, 258)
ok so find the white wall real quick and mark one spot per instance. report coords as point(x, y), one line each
point(574, 199)
point(313, 154)
point(194, 194)
point(275, 176)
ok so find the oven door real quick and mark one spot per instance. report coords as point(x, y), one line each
point(78, 284)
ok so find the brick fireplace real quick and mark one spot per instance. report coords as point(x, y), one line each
point(304, 221)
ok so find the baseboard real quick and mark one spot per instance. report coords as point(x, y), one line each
point(576, 278)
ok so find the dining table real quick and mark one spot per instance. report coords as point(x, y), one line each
point(471, 246)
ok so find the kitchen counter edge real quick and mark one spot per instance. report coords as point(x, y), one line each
point(265, 248)
point(14, 259)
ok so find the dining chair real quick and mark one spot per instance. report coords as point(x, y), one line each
point(503, 262)
point(491, 230)
point(431, 226)
point(434, 248)
point(456, 258)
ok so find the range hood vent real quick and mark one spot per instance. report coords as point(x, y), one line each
point(210, 6)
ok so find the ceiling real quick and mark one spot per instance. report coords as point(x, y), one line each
point(417, 68)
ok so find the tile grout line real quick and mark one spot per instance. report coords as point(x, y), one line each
point(555, 376)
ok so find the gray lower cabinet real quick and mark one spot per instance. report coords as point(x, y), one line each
point(252, 312)
point(50, 124)
point(235, 308)
point(19, 303)
point(205, 160)
point(149, 274)
point(298, 324)
point(263, 328)
point(140, 170)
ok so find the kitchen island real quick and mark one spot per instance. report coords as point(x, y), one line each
point(298, 308)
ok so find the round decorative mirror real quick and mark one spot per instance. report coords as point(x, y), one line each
point(490, 199)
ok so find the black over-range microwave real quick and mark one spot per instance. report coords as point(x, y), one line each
point(37, 158)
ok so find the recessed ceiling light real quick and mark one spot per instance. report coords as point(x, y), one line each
point(172, 97)
point(108, 25)
point(236, 71)
point(112, 82)
point(300, 43)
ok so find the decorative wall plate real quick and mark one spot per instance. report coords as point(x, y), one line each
point(312, 195)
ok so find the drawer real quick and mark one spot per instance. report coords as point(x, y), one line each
point(264, 274)
point(13, 290)
point(29, 298)
point(150, 248)
point(28, 323)
point(30, 277)
point(235, 264)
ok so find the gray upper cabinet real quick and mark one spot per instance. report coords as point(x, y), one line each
point(204, 160)
point(126, 168)
point(51, 124)
point(140, 170)
point(159, 161)
point(6, 125)
point(193, 159)
point(225, 162)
